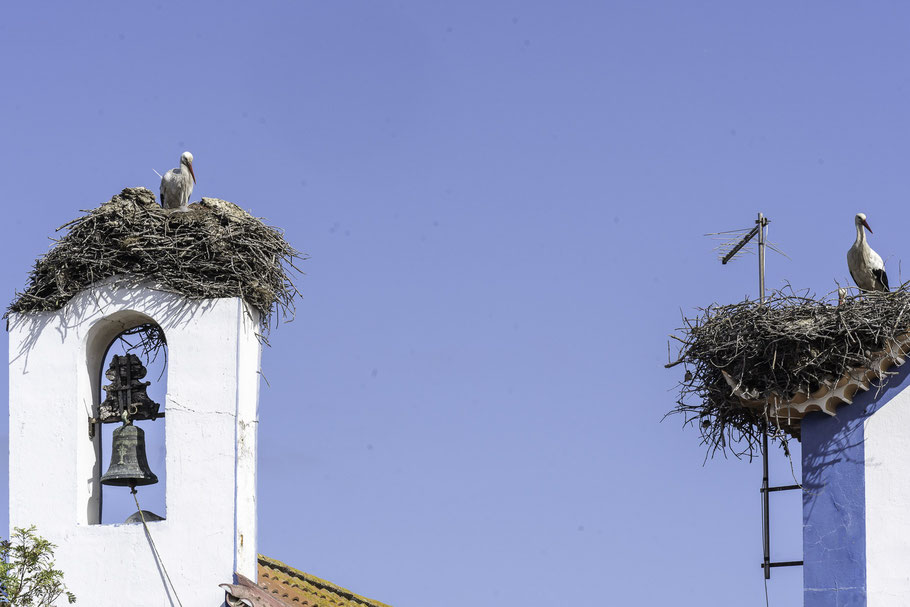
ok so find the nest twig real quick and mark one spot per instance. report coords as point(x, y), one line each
point(215, 249)
point(793, 343)
point(148, 339)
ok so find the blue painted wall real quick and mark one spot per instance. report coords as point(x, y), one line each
point(834, 505)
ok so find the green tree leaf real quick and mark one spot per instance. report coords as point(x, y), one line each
point(27, 574)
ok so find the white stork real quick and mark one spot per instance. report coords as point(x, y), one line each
point(866, 266)
point(177, 184)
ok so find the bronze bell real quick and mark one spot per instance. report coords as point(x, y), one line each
point(129, 465)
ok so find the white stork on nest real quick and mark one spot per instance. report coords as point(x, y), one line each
point(177, 184)
point(866, 266)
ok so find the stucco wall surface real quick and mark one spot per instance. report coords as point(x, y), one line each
point(211, 415)
point(851, 463)
point(887, 470)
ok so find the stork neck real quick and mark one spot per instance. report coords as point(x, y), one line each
point(860, 234)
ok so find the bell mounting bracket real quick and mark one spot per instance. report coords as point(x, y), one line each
point(125, 394)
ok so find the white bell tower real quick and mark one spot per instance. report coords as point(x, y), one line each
point(211, 431)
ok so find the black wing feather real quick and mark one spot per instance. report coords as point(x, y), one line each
point(881, 277)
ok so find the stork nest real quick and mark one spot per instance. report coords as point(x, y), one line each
point(790, 344)
point(214, 249)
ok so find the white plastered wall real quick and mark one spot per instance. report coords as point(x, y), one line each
point(887, 473)
point(211, 433)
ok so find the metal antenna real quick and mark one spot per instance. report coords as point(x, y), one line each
point(739, 245)
point(761, 224)
point(730, 250)
point(760, 229)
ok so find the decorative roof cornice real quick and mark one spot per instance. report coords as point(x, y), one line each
point(787, 412)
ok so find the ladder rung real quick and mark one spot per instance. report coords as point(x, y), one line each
point(782, 488)
point(784, 564)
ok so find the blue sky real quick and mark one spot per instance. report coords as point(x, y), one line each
point(504, 205)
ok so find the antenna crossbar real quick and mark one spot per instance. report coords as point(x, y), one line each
point(739, 245)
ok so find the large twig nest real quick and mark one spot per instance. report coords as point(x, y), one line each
point(790, 346)
point(215, 249)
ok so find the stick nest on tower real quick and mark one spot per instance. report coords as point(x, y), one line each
point(214, 249)
point(791, 345)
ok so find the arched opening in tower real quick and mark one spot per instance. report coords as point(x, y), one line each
point(132, 379)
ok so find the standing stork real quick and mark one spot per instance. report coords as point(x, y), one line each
point(177, 184)
point(866, 266)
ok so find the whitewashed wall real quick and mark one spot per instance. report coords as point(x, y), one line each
point(887, 491)
point(211, 433)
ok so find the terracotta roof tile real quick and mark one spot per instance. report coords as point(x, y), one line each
point(295, 587)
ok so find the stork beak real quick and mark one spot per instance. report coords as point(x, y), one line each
point(864, 221)
point(190, 167)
